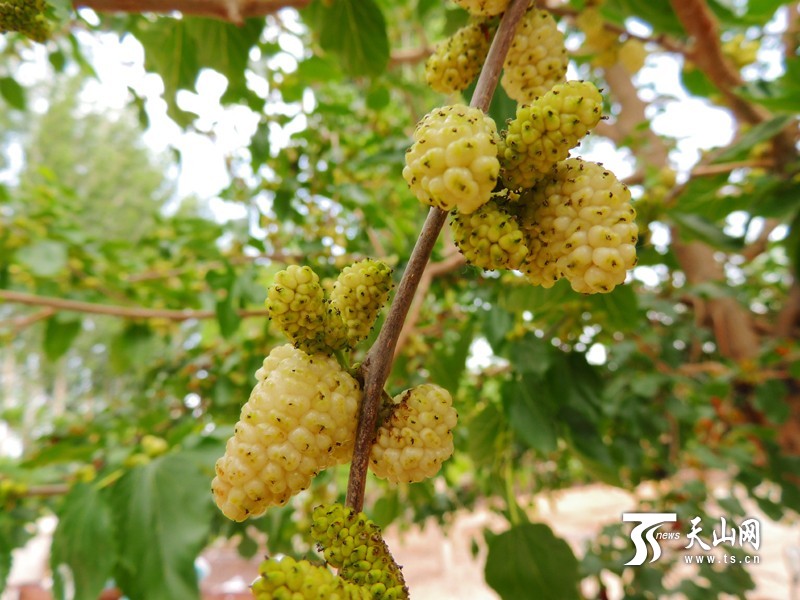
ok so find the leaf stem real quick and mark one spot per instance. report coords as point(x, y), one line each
point(378, 362)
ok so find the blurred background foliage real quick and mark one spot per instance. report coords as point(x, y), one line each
point(132, 315)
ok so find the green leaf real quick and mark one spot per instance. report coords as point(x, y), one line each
point(620, 308)
point(46, 258)
point(700, 228)
point(83, 542)
point(659, 14)
point(484, 431)
point(163, 512)
point(771, 399)
point(177, 49)
point(355, 30)
point(529, 561)
point(781, 95)
point(6, 547)
point(13, 93)
point(59, 333)
point(759, 133)
point(227, 317)
point(530, 415)
point(448, 362)
point(224, 282)
point(132, 346)
point(530, 354)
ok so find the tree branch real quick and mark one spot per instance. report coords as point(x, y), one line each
point(700, 23)
point(128, 312)
point(19, 323)
point(378, 362)
point(233, 11)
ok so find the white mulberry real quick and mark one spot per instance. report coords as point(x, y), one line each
point(453, 161)
point(300, 419)
point(417, 438)
point(483, 8)
point(583, 228)
point(544, 131)
point(456, 61)
point(359, 294)
point(537, 58)
point(490, 237)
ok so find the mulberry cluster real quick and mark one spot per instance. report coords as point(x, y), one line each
point(313, 323)
point(26, 17)
point(453, 162)
point(489, 238)
point(483, 8)
point(414, 442)
point(537, 58)
point(352, 543)
point(456, 61)
point(544, 132)
point(300, 419)
point(296, 302)
point(290, 579)
point(582, 227)
point(358, 295)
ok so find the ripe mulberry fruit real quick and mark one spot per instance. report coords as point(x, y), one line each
point(543, 132)
point(456, 61)
point(586, 226)
point(353, 544)
point(359, 294)
point(301, 580)
point(537, 59)
point(483, 8)
point(300, 419)
point(489, 238)
point(453, 161)
point(417, 438)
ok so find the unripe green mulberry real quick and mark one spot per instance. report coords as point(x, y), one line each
point(490, 237)
point(26, 17)
point(585, 224)
point(453, 161)
point(543, 132)
point(417, 438)
point(296, 302)
point(359, 294)
point(456, 61)
point(300, 419)
point(483, 8)
point(290, 579)
point(537, 59)
point(352, 543)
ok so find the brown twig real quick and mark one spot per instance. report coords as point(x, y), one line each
point(234, 11)
point(378, 362)
point(700, 23)
point(405, 56)
point(45, 491)
point(663, 40)
point(128, 312)
point(19, 323)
